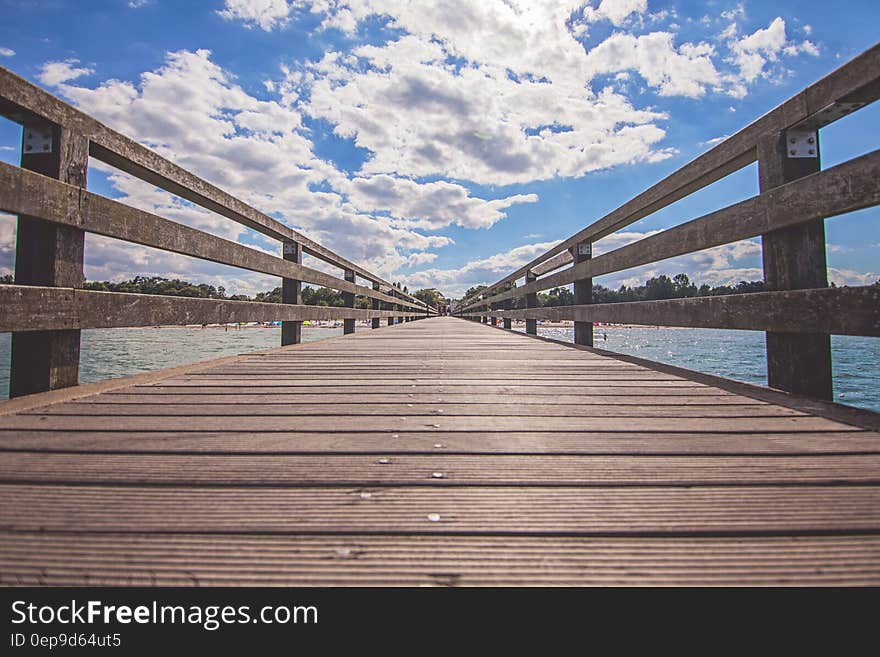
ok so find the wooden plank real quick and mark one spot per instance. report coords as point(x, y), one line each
point(477, 400)
point(31, 308)
point(44, 559)
point(169, 408)
point(68, 205)
point(438, 424)
point(839, 311)
point(436, 470)
point(841, 189)
point(418, 441)
point(616, 511)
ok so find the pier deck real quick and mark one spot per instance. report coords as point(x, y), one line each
point(438, 452)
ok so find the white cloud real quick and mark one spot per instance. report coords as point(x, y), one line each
point(484, 271)
point(851, 277)
point(684, 71)
point(616, 11)
point(266, 14)
point(55, 73)
point(137, 4)
point(752, 53)
point(7, 52)
point(427, 205)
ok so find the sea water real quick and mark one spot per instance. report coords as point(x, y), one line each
point(110, 353)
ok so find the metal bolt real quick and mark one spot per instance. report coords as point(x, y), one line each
point(812, 152)
point(810, 140)
point(793, 140)
point(792, 152)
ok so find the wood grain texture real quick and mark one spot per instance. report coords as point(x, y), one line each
point(39, 559)
point(325, 463)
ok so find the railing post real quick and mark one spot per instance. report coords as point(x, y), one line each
point(531, 302)
point(51, 255)
point(583, 294)
point(794, 258)
point(348, 298)
point(508, 305)
point(291, 292)
point(377, 305)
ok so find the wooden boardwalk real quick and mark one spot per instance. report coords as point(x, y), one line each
point(434, 452)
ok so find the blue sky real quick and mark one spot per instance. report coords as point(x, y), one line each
point(438, 143)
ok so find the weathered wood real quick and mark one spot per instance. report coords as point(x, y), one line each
point(29, 308)
point(794, 258)
point(291, 292)
point(839, 190)
point(48, 254)
point(377, 305)
point(306, 470)
point(28, 193)
point(583, 294)
point(838, 311)
point(855, 80)
point(617, 511)
point(120, 559)
point(532, 302)
point(485, 441)
point(155, 407)
point(348, 300)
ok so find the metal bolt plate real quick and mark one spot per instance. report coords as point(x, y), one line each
point(801, 143)
point(290, 248)
point(37, 140)
point(585, 249)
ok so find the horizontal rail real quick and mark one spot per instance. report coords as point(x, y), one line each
point(836, 311)
point(844, 188)
point(24, 102)
point(29, 193)
point(34, 308)
point(857, 81)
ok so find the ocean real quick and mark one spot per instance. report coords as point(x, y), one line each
point(109, 353)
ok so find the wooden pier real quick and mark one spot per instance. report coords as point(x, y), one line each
point(446, 451)
point(437, 452)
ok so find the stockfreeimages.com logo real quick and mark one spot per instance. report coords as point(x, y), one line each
point(210, 617)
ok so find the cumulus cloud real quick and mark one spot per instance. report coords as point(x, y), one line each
point(55, 73)
point(752, 53)
point(191, 111)
point(483, 271)
point(616, 11)
point(266, 14)
point(7, 52)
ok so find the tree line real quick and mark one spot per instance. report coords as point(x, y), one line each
point(656, 288)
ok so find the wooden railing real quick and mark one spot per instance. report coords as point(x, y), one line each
point(46, 308)
point(795, 197)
